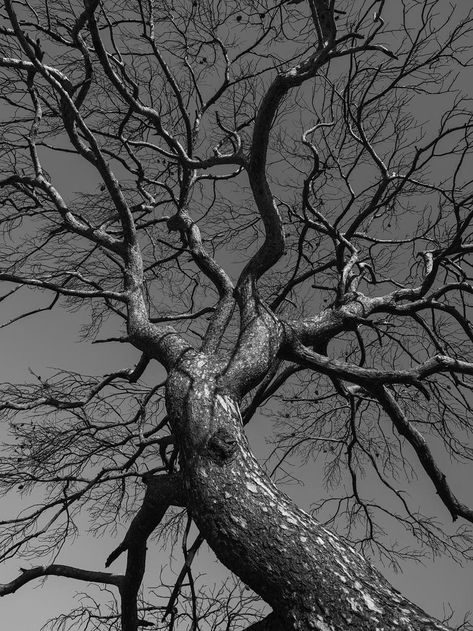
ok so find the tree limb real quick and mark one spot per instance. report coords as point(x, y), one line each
point(304, 356)
point(59, 570)
point(161, 492)
point(420, 446)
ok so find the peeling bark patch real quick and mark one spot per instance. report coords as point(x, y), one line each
point(259, 485)
point(238, 520)
point(228, 405)
point(342, 578)
point(354, 605)
point(223, 402)
point(370, 603)
point(322, 626)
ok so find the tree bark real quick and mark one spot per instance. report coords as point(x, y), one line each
point(311, 578)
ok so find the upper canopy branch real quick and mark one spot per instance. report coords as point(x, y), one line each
point(149, 113)
point(274, 244)
point(161, 342)
point(29, 66)
point(273, 247)
point(72, 117)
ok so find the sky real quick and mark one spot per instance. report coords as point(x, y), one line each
point(52, 339)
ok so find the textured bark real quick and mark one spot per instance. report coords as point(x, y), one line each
point(311, 578)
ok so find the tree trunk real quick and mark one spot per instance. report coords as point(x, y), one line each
point(310, 577)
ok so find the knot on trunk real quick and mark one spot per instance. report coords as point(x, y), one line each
point(222, 445)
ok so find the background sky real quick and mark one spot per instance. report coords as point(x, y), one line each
point(52, 339)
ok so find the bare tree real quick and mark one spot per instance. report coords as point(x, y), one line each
point(278, 211)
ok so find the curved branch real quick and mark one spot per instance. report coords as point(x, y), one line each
point(28, 66)
point(72, 117)
point(257, 347)
point(273, 246)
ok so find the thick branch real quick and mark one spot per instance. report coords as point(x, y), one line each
point(273, 246)
point(28, 66)
point(255, 352)
point(420, 446)
point(304, 356)
point(161, 492)
point(159, 342)
point(59, 570)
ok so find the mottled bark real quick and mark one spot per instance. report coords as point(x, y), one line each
point(311, 578)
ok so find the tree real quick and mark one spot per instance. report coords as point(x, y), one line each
point(273, 217)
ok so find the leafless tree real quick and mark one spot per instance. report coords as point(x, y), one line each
point(275, 205)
